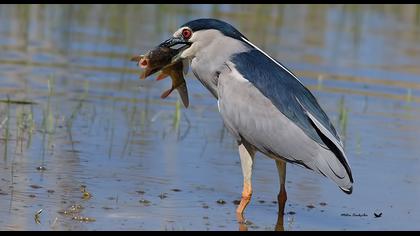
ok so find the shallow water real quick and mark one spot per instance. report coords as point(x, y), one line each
point(150, 164)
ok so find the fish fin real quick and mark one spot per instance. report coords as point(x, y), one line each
point(183, 93)
point(147, 72)
point(161, 76)
point(166, 93)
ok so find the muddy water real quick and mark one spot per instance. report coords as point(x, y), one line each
point(74, 113)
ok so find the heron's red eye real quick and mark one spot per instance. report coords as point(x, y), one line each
point(186, 33)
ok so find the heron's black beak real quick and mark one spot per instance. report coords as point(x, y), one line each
point(179, 44)
point(169, 43)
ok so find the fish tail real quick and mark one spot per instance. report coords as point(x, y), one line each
point(183, 93)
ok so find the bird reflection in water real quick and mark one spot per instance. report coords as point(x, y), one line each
point(243, 225)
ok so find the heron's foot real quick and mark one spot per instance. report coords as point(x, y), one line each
point(241, 221)
point(280, 222)
point(244, 202)
point(282, 198)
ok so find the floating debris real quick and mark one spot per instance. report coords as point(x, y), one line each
point(323, 203)
point(377, 215)
point(86, 195)
point(83, 219)
point(74, 209)
point(163, 195)
point(35, 186)
point(291, 213)
point(140, 192)
point(83, 188)
point(221, 201)
point(41, 168)
point(145, 202)
point(205, 206)
point(32, 195)
point(176, 190)
point(236, 202)
point(261, 201)
point(50, 191)
point(310, 206)
point(36, 217)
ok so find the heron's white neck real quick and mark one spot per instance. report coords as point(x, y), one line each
point(209, 54)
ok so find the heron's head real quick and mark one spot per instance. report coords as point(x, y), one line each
point(198, 35)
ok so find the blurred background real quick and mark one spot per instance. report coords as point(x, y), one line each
point(94, 147)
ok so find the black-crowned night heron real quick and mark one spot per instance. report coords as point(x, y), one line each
point(263, 105)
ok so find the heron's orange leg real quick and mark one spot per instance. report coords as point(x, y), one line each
point(282, 197)
point(246, 153)
point(280, 222)
point(246, 197)
point(241, 220)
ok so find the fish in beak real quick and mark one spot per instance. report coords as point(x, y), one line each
point(154, 60)
point(161, 59)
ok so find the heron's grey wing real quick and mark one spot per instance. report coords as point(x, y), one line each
point(282, 88)
point(269, 113)
point(290, 96)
